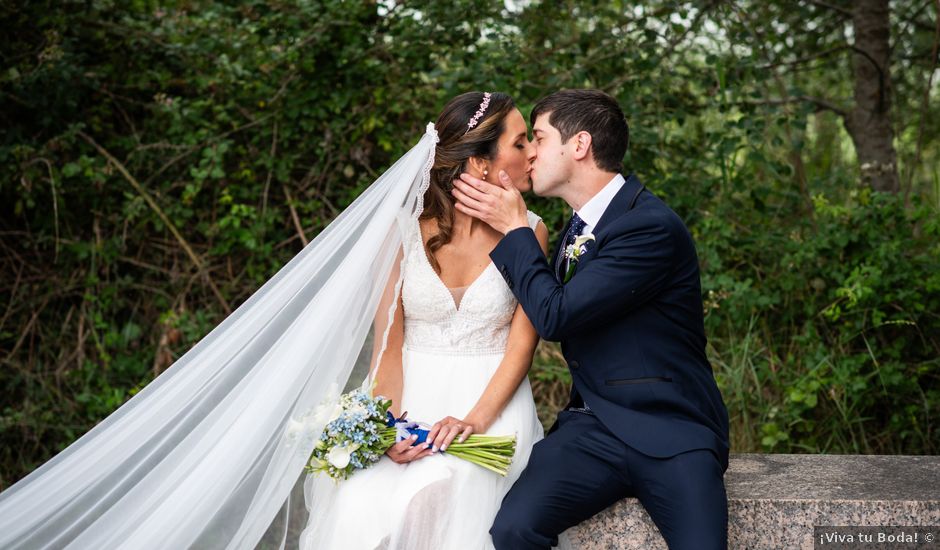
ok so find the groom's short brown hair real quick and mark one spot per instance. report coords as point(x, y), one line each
point(591, 111)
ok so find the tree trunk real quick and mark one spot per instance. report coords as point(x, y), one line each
point(869, 122)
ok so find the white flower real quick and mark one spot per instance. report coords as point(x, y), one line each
point(339, 456)
point(574, 251)
point(582, 240)
point(359, 408)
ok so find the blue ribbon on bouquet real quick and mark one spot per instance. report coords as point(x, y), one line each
point(406, 428)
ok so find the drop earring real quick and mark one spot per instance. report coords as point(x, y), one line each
point(485, 173)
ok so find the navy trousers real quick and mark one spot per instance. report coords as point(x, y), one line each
point(582, 468)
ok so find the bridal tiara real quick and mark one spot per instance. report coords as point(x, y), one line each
point(480, 111)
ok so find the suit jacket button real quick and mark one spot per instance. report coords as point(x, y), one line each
point(574, 364)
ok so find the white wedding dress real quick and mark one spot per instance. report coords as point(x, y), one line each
point(453, 343)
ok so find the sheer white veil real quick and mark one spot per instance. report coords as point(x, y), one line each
point(208, 454)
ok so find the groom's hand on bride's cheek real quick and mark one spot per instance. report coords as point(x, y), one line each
point(500, 206)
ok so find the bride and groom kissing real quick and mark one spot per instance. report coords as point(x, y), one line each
point(621, 293)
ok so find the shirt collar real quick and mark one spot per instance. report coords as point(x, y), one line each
point(594, 208)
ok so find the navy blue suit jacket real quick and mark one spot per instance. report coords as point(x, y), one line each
point(630, 323)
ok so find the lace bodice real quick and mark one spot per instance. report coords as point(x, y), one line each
point(433, 321)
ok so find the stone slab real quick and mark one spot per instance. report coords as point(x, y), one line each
point(774, 501)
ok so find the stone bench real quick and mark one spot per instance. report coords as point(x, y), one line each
point(775, 500)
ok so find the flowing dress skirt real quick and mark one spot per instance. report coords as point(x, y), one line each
point(438, 502)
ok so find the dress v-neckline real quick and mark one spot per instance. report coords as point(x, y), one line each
point(427, 262)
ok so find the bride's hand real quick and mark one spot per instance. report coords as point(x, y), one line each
point(403, 451)
point(446, 430)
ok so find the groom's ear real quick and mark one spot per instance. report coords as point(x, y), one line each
point(582, 145)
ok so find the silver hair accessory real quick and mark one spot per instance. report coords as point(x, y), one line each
point(480, 111)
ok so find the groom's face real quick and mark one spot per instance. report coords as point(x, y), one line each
point(553, 159)
point(515, 152)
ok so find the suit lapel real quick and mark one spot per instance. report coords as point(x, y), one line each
point(620, 204)
point(623, 201)
point(556, 257)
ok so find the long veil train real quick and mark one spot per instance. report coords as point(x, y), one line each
point(207, 454)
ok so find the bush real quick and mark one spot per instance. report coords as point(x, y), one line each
point(160, 160)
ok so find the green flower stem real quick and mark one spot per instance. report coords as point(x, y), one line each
point(481, 452)
point(488, 460)
point(493, 452)
point(470, 442)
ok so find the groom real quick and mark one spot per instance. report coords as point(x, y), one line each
point(645, 417)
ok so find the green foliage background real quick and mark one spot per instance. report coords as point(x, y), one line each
point(246, 127)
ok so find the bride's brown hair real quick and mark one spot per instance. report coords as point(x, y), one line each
point(454, 148)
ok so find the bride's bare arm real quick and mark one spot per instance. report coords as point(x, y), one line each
point(388, 375)
point(389, 379)
point(512, 370)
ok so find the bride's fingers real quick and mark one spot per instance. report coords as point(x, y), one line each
point(438, 441)
point(467, 432)
point(433, 432)
point(414, 452)
point(453, 432)
point(403, 451)
point(440, 426)
point(404, 444)
point(426, 450)
point(436, 428)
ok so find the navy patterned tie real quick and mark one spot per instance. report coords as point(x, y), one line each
point(574, 231)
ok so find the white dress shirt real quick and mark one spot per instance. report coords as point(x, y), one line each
point(594, 208)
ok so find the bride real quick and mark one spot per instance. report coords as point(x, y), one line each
point(458, 350)
point(207, 455)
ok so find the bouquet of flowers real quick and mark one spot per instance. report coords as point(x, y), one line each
point(361, 429)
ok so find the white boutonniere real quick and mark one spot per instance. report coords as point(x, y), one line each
point(573, 253)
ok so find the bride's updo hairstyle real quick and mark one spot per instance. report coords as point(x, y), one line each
point(457, 142)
